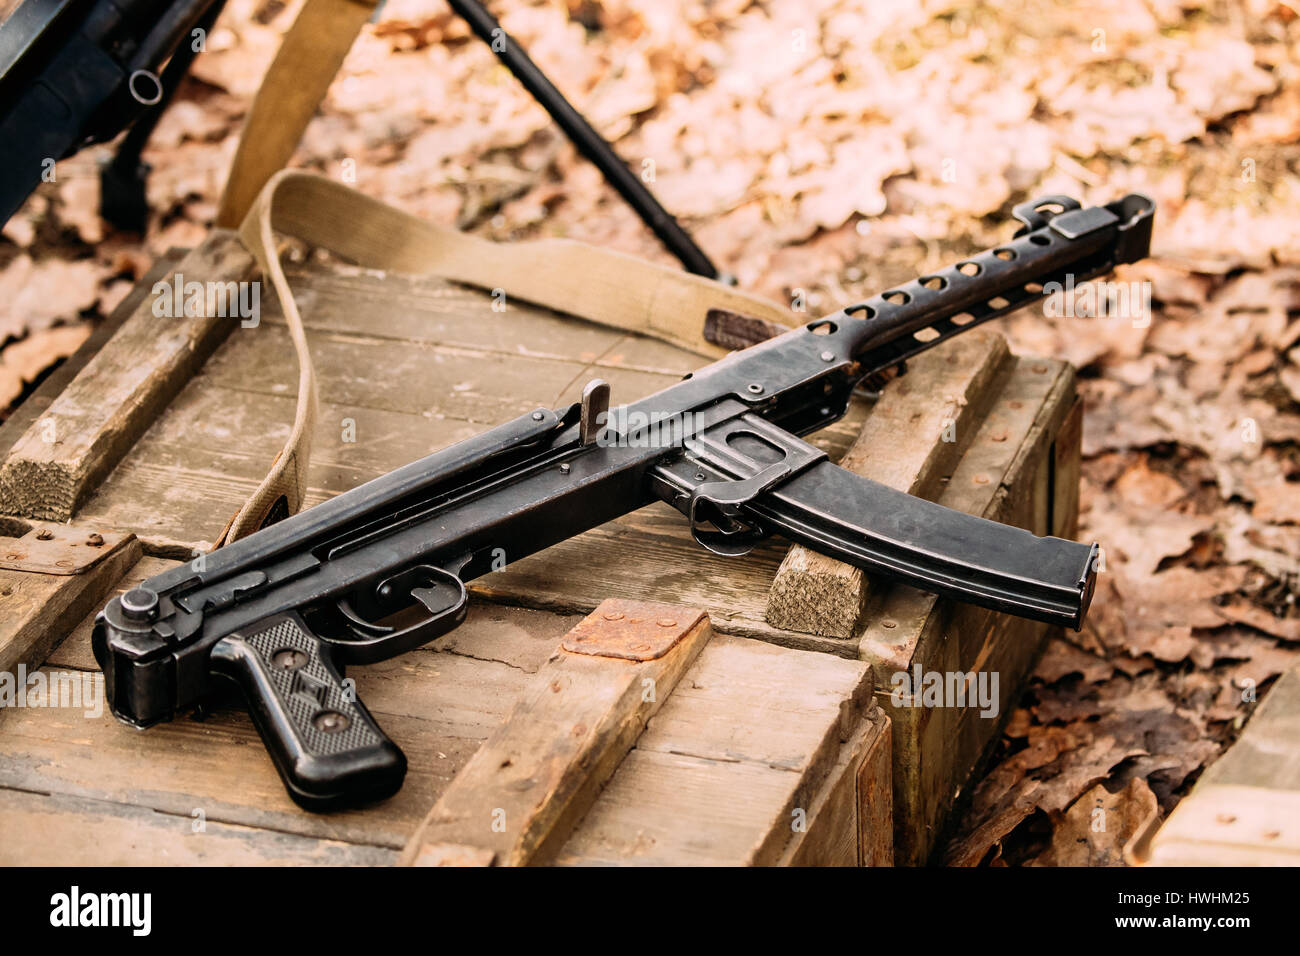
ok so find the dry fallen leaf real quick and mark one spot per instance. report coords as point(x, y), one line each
point(34, 295)
point(23, 361)
point(1097, 826)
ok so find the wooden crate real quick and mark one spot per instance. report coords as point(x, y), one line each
point(735, 768)
point(166, 428)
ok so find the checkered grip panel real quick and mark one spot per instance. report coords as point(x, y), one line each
point(310, 691)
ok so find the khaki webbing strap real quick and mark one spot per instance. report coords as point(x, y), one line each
point(599, 285)
point(309, 56)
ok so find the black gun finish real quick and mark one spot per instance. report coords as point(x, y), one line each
point(381, 569)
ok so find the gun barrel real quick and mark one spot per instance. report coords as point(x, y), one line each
point(1072, 245)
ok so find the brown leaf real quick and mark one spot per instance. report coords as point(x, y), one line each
point(24, 360)
point(35, 295)
point(1058, 764)
point(1062, 659)
point(1278, 502)
point(1097, 826)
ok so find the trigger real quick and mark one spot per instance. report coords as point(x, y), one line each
point(441, 597)
point(438, 590)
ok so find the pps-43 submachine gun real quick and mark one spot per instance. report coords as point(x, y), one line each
point(381, 569)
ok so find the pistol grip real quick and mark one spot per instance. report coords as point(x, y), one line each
point(327, 748)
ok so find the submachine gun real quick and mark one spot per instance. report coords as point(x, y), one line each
point(382, 568)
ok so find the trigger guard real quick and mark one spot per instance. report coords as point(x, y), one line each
point(731, 544)
point(377, 642)
point(727, 498)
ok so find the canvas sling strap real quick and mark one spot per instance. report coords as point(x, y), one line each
point(592, 283)
point(597, 284)
point(294, 86)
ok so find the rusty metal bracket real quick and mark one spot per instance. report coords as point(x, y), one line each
point(631, 630)
point(50, 548)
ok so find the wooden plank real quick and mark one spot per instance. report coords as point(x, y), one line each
point(1067, 461)
point(337, 298)
point(875, 795)
point(1245, 809)
point(745, 762)
point(916, 433)
point(38, 609)
point(1004, 475)
point(206, 455)
point(521, 793)
point(69, 831)
point(851, 821)
point(51, 469)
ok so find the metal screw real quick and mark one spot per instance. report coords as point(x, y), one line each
point(565, 468)
point(538, 416)
point(330, 722)
point(828, 356)
point(755, 387)
point(44, 534)
point(94, 539)
point(289, 659)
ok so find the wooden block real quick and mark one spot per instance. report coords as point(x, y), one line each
point(96, 418)
point(1245, 809)
point(756, 759)
point(1005, 475)
point(526, 787)
point(875, 795)
point(50, 578)
point(917, 430)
